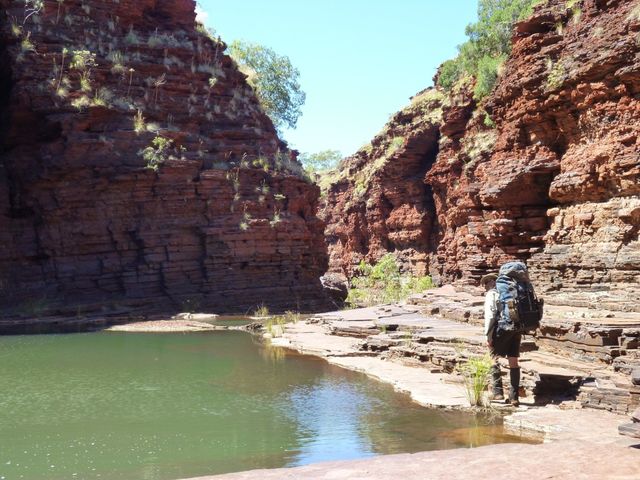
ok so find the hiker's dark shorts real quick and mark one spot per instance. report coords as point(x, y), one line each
point(506, 344)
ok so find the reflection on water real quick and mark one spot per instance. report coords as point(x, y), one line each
point(118, 405)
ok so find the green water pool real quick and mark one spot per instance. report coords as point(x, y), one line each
point(167, 406)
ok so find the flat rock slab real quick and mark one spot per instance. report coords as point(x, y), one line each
point(630, 429)
point(571, 459)
point(369, 314)
point(314, 339)
point(558, 424)
point(165, 326)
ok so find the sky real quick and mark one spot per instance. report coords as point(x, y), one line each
point(360, 61)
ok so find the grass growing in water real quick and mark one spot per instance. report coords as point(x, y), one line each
point(383, 283)
point(476, 371)
point(276, 326)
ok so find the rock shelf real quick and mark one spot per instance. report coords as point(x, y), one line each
point(419, 352)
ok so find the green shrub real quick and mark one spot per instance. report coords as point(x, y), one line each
point(476, 371)
point(395, 145)
point(449, 73)
point(157, 153)
point(383, 283)
point(205, 31)
point(83, 60)
point(488, 121)
point(487, 75)
point(81, 102)
point(276, 219)
point(16, 30)
point(488, 46)
point(26, 44)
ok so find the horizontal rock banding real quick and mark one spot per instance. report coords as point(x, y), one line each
point(223, 224)
point(555, 182)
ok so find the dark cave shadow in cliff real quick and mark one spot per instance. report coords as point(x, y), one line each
point(424, 150)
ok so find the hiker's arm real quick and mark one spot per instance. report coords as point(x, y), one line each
point(489, 314)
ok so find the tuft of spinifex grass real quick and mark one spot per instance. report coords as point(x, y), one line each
point(476, 372)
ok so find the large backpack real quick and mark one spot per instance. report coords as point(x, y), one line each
point(519, 310)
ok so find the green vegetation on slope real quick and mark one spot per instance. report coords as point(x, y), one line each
point(488, 46)
point(383, 283)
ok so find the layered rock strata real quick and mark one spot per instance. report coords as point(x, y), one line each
point(551, 177)
point(138, 169)
point(378, 201)
point(569, 95)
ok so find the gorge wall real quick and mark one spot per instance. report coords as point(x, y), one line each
point(553, 179)
point(378, 202)
point(226, 222)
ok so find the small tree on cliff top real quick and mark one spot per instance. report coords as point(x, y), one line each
point(488, 46)
point(275, 80)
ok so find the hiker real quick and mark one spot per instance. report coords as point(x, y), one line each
point(490, 323)
point(511, 308)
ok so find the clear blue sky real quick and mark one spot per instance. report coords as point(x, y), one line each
point(359, 60)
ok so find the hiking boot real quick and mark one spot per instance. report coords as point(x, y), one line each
point(496, 383)
point(514, 388)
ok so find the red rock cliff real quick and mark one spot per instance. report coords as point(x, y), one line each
point(555, 182)
point(378, 202)
point(85, 87)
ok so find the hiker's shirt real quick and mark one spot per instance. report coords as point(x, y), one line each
point(490, 310)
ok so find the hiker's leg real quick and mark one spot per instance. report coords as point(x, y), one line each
point(514, 387)
point(514, 371)
point(496, 380)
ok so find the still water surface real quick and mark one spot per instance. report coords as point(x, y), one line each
point(168, 406)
